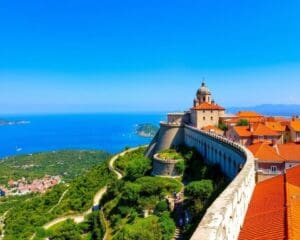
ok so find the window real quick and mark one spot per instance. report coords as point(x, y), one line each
point(211, 118)
point(203, 111)
point(203, 118)
point(273, 169)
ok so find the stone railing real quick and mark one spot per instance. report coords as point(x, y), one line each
point(225, 217)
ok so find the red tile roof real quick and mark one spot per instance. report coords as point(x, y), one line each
point(293, 202)
point(248, 114)
point(258, 130)
point(275, 126)
point(262, 130)
point(265, 218)
point(242, 131)
point(290, 151)
point(264, 152)
point(208, 106)
point(295, 125)
point(274, 210)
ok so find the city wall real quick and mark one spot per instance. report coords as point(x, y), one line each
point(225, 217)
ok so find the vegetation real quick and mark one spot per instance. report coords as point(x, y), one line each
point(199, 189)
point(125, 204)
point(128, 200)
point(146, 130)
point(91, 229)
point(27, 217)
point(243, 122)
point(69, 164)
point(170, 154)
point(223, 127)
point(134, 164)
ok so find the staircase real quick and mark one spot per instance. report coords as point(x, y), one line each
point(178, 234)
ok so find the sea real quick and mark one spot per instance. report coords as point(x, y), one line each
point(111, 132)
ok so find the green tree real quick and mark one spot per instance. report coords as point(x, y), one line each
point(131, 192)
point(223, 127)
point(243, 122)
point(199, 189)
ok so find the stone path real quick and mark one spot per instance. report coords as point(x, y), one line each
point(59, 201)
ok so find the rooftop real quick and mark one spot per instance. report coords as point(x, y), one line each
point(264, 151)
point(208, 106)
point(274, 210)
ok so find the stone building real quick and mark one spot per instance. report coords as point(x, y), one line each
point(205, 111)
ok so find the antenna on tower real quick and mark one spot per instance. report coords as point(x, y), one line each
point(203, 81)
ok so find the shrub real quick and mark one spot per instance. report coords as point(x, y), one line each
point(167, 225)
point(162, 206)
point(243, 122)
point(199, 189)
point(180, 167)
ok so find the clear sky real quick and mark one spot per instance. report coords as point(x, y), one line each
point(146, 55)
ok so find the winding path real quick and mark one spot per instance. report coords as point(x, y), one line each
point(78, 218)
point(59, 201)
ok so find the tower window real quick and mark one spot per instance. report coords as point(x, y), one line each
point(211, 118)
point(203, 99)
point(204, 118)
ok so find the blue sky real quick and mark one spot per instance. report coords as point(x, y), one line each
point(60, 56)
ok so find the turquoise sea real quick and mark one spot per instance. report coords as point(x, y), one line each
point(109, 132)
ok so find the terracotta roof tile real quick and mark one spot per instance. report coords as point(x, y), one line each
point(242, 131)
point(275, 126)
point(293, 203)
point(263, 130)
point(295, 125)
point(208, 106)
point(265, 218)
point(258, 130)
point(248, 114)
point(290, 151)
point(264, 152)
point(274, 210)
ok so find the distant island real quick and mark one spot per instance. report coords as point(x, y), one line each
point(7, 122)
point(146, 130)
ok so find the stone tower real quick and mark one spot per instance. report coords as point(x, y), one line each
point(205, 111)
point(203, 95)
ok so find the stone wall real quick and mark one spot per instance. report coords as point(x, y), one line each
point(225, 217)
point(163, 167)
point(169, 135)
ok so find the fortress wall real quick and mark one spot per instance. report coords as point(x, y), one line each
point(169, 135)
point(225, 217)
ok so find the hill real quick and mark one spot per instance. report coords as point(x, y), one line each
point(146, 130)
point(67, 163)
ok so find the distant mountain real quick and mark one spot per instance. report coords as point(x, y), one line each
point(6, 122)
point(270, 109)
